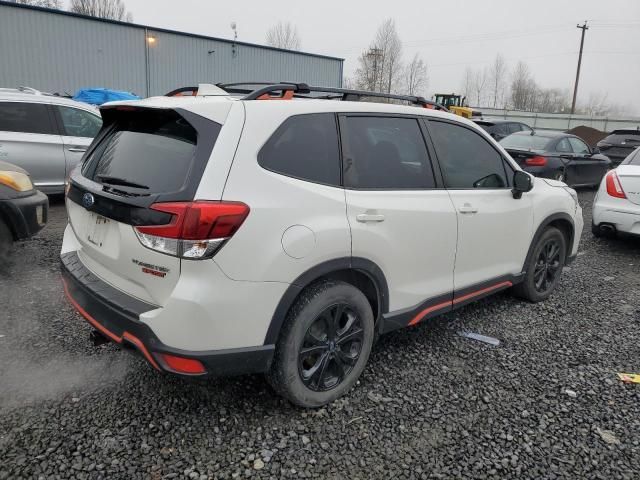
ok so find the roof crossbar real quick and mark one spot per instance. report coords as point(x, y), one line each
point(302, 90)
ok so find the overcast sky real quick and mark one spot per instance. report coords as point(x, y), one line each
point(449, 34)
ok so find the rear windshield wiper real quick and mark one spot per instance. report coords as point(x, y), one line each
point(119, 181)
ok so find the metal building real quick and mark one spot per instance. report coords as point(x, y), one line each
point(58, 51)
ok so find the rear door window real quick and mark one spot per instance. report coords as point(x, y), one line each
point(145, 152)
point(305, 147)
point(25, 118)
point(79, 123)
point(578, 146)
point(563, 146)
point(466, 158)
point(386, 153)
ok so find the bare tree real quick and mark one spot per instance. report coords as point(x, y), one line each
point(497, 79)
point(380, 67)
point(416, 76)
point(57, 4)
point(467, 83)
point(479, 85)
point(284, 35)
point(112, 9)
point(523, 88)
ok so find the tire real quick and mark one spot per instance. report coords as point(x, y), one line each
point(596, 231)
point(302, 379)
point(544, 268)
point(6, 245)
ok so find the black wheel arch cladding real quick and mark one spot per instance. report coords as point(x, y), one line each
point(563, 222)
point(337, 269)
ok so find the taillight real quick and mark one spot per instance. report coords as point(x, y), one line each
point(197, 230)
point(189, 366)
point(613, 185)
point(536, 161)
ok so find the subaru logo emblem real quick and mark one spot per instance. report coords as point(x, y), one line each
point(88, 200)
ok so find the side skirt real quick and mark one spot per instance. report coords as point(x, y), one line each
point(446, 303)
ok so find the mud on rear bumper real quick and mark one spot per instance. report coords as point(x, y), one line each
point(116, 316)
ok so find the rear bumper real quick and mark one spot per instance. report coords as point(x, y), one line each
point(116, 316)
point(25, 215)
point(620, 214)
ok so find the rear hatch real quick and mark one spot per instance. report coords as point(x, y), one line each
point(629, 176)
point(619, 144)
point(141, 157)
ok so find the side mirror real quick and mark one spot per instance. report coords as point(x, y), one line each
point(595, 151)
point(522, 183)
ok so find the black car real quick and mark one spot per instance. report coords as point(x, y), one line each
point(23, 209)
point(559, 156)
point(619, 144)
point(499, 129)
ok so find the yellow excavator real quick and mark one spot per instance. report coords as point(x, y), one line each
point(456, 104)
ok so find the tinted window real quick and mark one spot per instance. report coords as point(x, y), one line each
point(514, 127)
point(629, 138)
point(305, 147)
point(563, 146)
point(25, 117)
point(154, 150)
point(467, 159)
point(385, 153)
point(525, 142)
point(78, 123)
point(524, 127)
point(578, 145)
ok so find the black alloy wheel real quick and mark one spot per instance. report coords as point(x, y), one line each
point(543, 266)
point(548, 266)
point(330, 348)
point(324, 344)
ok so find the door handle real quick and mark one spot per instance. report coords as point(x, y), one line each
point(468, 208)
point(77, 149)
point(369, 217)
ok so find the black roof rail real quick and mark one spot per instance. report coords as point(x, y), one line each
point(302, 90)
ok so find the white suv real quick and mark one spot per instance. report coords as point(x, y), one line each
point(225, 234)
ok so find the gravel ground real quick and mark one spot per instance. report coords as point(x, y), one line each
point(545, 403)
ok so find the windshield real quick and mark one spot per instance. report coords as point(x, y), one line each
point(525, 142)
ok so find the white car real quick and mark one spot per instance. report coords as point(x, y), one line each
point(45, 134)
point(277, 233)
point(616, 207)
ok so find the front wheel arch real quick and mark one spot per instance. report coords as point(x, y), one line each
point(561, 221)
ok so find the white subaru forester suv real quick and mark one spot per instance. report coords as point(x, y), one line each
point(238, 231)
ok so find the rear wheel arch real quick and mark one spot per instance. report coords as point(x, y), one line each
point(561, 221)
point(362, 273)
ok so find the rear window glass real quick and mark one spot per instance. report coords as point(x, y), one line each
point(305, 147)
point(525, 142)
point(25, 117)
point(144, 152)
point(633, 159)
point(629, 138)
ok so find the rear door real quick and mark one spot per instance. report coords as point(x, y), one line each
point(399, 218)
point(78, 128)
point(143, 157)
point(29, 139)
point(494, 229)
point(593, 167)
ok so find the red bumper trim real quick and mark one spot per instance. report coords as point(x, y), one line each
point(126, 336)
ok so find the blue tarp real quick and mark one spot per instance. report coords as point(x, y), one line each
point(98, 96)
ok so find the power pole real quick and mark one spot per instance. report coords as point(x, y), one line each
point(584, 28)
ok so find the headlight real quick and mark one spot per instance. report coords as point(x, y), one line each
point(16, 180)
